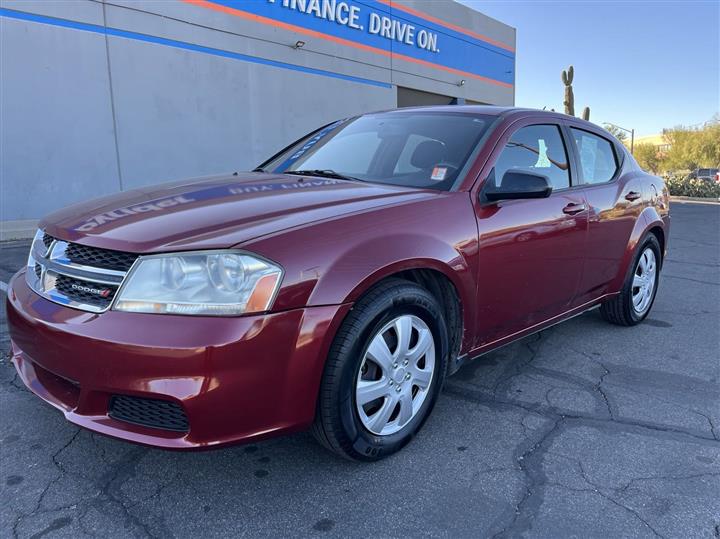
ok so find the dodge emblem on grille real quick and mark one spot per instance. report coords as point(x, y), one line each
point(104, 292)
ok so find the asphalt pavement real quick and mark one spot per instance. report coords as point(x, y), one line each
point(584, 430)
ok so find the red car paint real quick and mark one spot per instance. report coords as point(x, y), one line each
point(518, 266)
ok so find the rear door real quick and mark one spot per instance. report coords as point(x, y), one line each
point(531, 251)
point(615, 201)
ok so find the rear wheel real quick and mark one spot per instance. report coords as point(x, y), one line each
point(633, 303)
point(384, 372)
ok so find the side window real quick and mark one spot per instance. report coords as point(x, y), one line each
point(539, 149)
point(597, 157)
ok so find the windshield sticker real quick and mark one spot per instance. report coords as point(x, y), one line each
point(307, 146)
point(438, 174)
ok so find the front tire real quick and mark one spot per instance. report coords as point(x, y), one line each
point(637, 296)
point(384, 372)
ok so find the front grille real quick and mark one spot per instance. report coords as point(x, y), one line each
point(99, 258)
point(75, 275)
point(89, 293)
point(47, 240)
point(154, 413)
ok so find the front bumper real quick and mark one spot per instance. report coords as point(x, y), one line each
point(235, 379)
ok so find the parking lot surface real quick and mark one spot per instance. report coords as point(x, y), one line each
point(585, 429)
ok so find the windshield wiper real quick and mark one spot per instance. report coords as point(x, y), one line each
point(323, 173)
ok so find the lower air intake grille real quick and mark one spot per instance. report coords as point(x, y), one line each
point(154, 413)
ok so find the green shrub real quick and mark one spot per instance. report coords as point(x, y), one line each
point(679, 185)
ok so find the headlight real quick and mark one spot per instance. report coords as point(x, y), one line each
point(208, 283)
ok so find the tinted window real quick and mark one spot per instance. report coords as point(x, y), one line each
point(597, 157)
point(414, 149)
point(538, 149)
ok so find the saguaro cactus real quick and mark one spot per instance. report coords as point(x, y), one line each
point(567, 78)
point(569, 102)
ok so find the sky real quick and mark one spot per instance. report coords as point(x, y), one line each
point(643, 65)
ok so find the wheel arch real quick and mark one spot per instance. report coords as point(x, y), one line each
point(649, 222)
point(446, 293)
point(659, 233)
point(438, 279)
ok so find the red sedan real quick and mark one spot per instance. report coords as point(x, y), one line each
point(338, 284)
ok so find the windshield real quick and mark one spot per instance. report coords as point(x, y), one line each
point(414, 149)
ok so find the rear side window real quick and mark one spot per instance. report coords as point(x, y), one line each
point(539, 149)
point(597, 157)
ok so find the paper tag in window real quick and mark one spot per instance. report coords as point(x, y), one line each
point(438, 174)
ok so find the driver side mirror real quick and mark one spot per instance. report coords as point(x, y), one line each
point(518, 184)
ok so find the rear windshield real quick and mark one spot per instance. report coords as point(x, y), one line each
point(425, 150)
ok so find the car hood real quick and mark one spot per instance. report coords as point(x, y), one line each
point(216, 212)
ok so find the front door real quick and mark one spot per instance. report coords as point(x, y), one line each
point(531, 251)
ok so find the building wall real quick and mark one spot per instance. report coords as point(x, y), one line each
point(97, 97)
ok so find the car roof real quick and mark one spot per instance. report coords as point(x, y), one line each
point(488, 110)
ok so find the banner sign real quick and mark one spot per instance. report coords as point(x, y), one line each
point(389, 30)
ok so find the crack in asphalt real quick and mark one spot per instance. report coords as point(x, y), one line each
point(526, 509)
point(517, 366)
point(713, 429)
point(49, 485)
point(477, 396)
point(529, 459)
point(699, 281)
point(108, 487)
point(700, 264)
point(531, 452)
point(632, 511)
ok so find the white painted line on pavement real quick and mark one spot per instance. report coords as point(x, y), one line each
point(3, 286)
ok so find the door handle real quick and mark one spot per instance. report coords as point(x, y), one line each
point(632, 195)
point(572, 209)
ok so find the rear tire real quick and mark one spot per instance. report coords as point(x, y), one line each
point(638, 293)
point(368, 357)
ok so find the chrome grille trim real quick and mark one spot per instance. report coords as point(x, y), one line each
point(48, 255)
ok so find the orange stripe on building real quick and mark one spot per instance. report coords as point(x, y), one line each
point(313, 33)
point(446, 24)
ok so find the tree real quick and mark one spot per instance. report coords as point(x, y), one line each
point(708, 146)
point(648, 157)
point(616, 132)
point(692, 148)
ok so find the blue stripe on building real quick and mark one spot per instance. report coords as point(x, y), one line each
point(85, 27)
